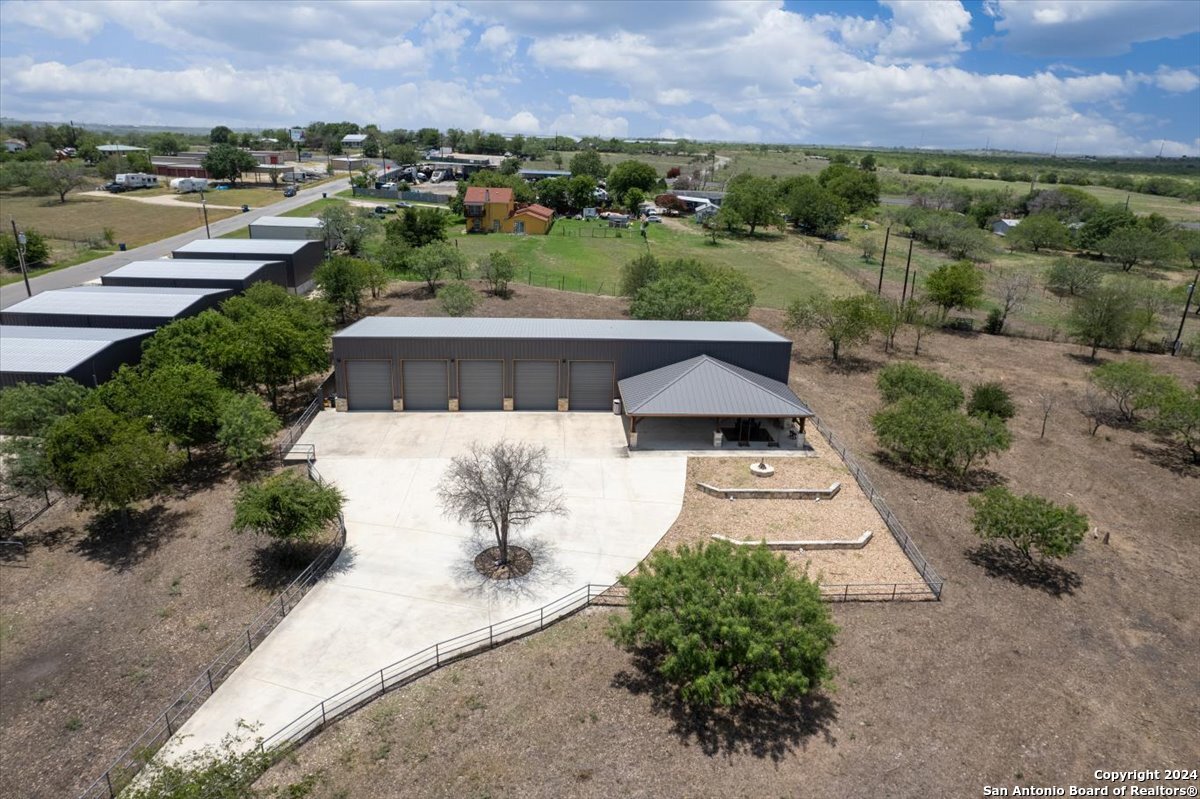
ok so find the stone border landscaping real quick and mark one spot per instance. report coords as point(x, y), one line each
point(771, 493)
point(800, 546)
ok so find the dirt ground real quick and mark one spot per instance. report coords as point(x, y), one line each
point(412, 299)
point(101, 628)
point(1018, 677)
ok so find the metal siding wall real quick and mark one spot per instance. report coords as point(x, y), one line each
point(770, 358)
point(426, 386)
point(480, 385)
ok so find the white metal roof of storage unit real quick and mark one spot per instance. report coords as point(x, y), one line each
point(190, 267)
point(113, 301)
point(246, 246)
point(55, 350)
point(601, 329)
point(705, 386)
point(310, 222)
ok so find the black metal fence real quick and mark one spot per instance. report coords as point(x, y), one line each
point(933, 582)
point(297, 428)
point(133, 759)
point(25, 510)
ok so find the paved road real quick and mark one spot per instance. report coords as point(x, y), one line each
point(76, 275)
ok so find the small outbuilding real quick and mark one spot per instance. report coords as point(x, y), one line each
point(194, 273)
point(1002, 227)
point(87, 355)
point(287, 227)
point(300, 258)
point(112, 306)
point(354, 139)
point(699, 383)
point(534, 220)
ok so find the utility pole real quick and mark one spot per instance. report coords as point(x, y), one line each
point(904, 289)
point(204, 208)
point(883, 260)
point(20, 237)
point(1186, 307)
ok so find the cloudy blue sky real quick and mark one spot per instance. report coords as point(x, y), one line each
point(1097, 76)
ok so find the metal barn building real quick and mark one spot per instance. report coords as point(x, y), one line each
point(287, 227)
point(190, 273)
point(730, 373)
point(111, 306)
point(87, 355)
point(300, 258)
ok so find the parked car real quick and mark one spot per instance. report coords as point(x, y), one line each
point(383, 209)
point(403, 205)
point(290, 191)
point(114, 187)
point(654, 218)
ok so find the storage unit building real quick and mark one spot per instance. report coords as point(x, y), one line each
point(112, 306)
point(191, 273)
point(88, 355)
point(287, 227)
point(300, 258)
point(403, 363)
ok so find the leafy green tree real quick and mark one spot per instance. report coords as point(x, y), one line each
point(370, 148)
point(1102, 223)
point(402, 154)
point(993, 399)
point(637, 273)
point(756, 200)
point(245, 428)
point(107, 460)
point(845, 321)
point(633, 200)
point(287, 507)
point(1101, 318)
point(197, 339)
point(1039, 232)
point(58, 177)
point(1131, 385)
point(37, 250)
point(457, 298)
point(630, 175)
point(417, 227)
point(867, 162)
point(1188, 242)
point(28, 409)
point(588, 163)
point(925, 434)
point(899, 381)
point(858, 189)
point(955, 285)
point(376, 277)
point(554, 193)
point(434, 260)
point(725, 626)
point(689, 290)
point(346, 229)
point(166, 143)
point(1028, 522)
point(811, 207)
point(343, 282)
point(1132, 245)
point(581, 192)
point(498, 268)
point(1177, 416)
point(226, 162)
point(182, 400)
point(1074, 276)
point(25, 467)
point(220, 135)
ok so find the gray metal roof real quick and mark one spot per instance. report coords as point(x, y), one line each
point(190, 267)
point(705, 386)
point(288, 221)
point(55, 350)
point(246, 246)
point(601, 329)
point(113, 301)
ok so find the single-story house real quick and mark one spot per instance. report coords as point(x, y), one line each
point(119, 149)
point(1002, 226)
point(707, 384)
point(533, 220)
point(87, 355)
point(354, 139)
point(486, 209)
point(136, 308)
point(350, 163)
point(14, 145)
point(300, 257)
point(534, 175)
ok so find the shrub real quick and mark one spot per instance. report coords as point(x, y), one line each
point(724, 625)
point(498, 269)
point(1131, 385)
point(845, 321)
point(955, 285)
point(37, 251)
point(995, 322)
point(1074, 276)
point(1178, 417)
point(929, 436)
point(1101, 318)
point(1028, 522)
point(286, 507)
point(993, 399)
point(690, 290)
point(900, 380)
point(245, 427)
point(457, 298)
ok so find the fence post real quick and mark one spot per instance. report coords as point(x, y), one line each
point(845, 592)
point(382, 685)
point(541, 617)
point(210, 685)
point(282, 608)
point(893, 590)
point(249, 641)
point(491, 638)
point(167, 721)
point(323, 715)
point(111, 793)
point(437, 657)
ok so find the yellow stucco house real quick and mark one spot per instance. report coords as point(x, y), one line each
point(494, 210)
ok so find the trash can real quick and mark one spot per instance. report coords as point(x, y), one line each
point(617, 407)
point(324, 195)
point(121, 246)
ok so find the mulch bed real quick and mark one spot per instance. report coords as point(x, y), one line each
point(520, 563)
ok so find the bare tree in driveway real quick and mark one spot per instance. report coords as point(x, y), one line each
point(502, 487)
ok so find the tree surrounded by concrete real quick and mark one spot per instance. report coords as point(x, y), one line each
point(501, 488)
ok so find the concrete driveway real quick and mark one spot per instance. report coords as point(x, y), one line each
point(404, 580)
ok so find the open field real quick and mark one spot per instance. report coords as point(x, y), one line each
point(661, 163)
point(1018, 676)
point(76, 228)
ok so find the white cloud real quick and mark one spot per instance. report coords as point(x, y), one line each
point(1093, 28)
point(925, 31)
point(497, 39)
point(1176, 81)
point(66, 21)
